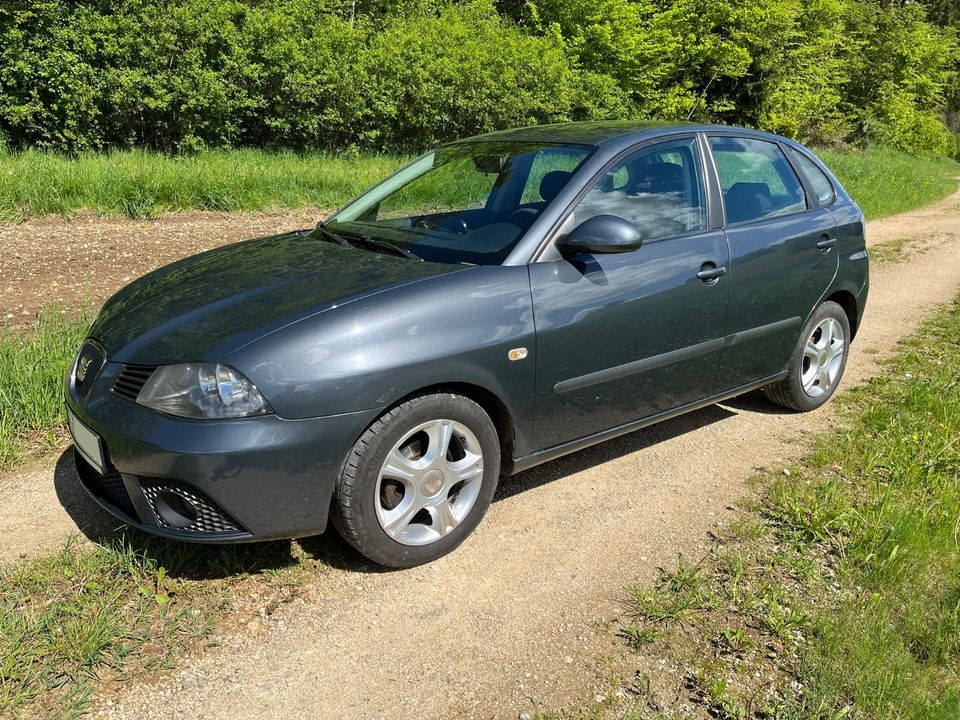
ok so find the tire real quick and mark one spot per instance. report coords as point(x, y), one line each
point(401, 503)
point(823, 344)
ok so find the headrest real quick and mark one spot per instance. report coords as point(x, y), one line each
point(553, 183)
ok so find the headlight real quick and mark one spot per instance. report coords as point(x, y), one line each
point(201, 390)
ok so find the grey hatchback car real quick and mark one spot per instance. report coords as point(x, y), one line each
point(499, 302)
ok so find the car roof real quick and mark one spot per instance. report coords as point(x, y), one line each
point(607, 132)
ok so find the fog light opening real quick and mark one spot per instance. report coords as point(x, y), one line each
point(174, 509)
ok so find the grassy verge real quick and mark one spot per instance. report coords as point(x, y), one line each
point(32, 366)
point(142, 184)
point(837, 594)
point(92, 616)
point(886, 182)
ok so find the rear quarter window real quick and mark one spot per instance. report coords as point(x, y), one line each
point(815, 177)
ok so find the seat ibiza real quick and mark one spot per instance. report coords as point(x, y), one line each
point(499, 302)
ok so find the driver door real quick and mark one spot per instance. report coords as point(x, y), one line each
point(626, 336)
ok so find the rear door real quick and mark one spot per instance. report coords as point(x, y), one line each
point(625, 336)
point(782, 256)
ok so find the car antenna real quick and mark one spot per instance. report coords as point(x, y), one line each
point(702, 95)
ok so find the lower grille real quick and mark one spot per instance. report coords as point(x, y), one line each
point(209, 517)
point(108, 487)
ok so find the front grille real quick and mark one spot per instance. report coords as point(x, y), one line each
point(210, 518)
point(108, 487)
point(131, 380)
point(86, 367)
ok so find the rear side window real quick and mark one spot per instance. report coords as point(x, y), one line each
point(756, 179)
point(818, 181)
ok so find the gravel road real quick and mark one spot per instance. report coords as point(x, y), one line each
point(519, 611)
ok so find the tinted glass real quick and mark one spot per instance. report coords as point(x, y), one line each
point(659, 189)
point(756, 179)
point(820, 183)
point(464, 203)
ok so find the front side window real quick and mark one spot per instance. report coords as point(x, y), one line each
point(659, 189)
point(819, 182)
point(756, 179)
point(464, 203)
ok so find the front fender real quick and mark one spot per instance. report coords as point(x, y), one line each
point(455, 328)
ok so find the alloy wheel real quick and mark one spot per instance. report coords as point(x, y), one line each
point(823, 358)
point(429, 482)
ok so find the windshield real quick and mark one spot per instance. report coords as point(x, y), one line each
point(464, 203)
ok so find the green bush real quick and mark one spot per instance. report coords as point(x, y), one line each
point(397, 75)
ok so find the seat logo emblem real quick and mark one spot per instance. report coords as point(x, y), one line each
point(82, 367)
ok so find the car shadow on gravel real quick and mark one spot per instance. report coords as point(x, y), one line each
point(611, 450)
point(92, 520)
point(212, 562)
point(756, 402)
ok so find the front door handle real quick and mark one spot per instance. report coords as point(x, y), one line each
point(825, 243)
point(710, 273)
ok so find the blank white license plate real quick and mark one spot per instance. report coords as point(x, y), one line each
point(87, 441)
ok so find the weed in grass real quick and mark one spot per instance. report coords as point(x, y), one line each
point(637, 637)
point(674, 597)
point(734, 640)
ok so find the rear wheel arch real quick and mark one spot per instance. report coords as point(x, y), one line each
point(848, 302)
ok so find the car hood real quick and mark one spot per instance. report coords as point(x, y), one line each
point(206, 306)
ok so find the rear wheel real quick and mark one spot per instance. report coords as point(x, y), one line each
point(419, 480)
point(818, 361)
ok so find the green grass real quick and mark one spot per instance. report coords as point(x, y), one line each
point(142, 184)
point(885, 182)
point(85, 615)
point(883, 499)
point(32, 367)
point(836, 593)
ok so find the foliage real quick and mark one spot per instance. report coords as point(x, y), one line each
point(399, 75)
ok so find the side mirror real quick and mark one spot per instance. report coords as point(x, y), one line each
point(601, 234)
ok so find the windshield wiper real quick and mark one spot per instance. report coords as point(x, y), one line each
point(332, 236)
point(384, 245)
point(366, 241)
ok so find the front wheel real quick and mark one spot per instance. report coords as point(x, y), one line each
point(419, 480)
point(817, 363)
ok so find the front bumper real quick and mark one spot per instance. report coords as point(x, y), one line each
point(250, 479)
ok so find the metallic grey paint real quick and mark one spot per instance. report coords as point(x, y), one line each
point(334, 336)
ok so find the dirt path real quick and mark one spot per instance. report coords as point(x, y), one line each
point(519, 611)
point(86, 258)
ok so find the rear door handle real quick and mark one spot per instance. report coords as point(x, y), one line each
point(826, 242)
point(710, 273)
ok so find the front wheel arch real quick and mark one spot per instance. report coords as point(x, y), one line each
point(486, 399)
